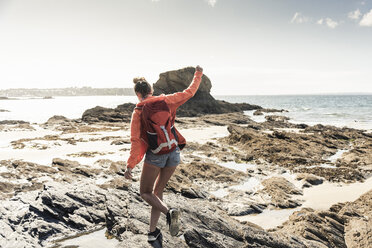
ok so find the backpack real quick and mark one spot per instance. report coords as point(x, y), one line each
point(157, 127)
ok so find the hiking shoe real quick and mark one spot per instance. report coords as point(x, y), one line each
point(153, 236)
point(173, 217)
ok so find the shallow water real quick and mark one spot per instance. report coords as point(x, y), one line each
point(337, 155)
point(204, 134)
point(320, 197)
point(94, 239)
point(61, 149)
point(238, 166)
point(40, 110)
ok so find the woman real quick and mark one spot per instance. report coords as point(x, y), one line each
point(157, 169)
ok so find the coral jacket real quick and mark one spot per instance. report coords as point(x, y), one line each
point(138, 145)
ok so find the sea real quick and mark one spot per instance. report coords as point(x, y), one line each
point(340, 110)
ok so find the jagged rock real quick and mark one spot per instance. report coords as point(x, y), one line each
point(120, 142)
point(13, 122)
point(310, 178)
point(261, 111)
point(57, 119)
point(276, 118)
point(241, 209)
point(307, 148)
point(343, 225)
point(203, 102)
point(122, 113)
point(281, 190)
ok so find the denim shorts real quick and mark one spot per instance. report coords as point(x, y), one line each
point(163, 160)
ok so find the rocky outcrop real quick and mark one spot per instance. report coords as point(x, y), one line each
point(4, 110)
point(343, 225)
point(310, 179)
point(305, 151)
point(12, 125)
point(122, 113)
point(13, 122)
point(262, 111)
point(203, 102)
point(57, 120)
point(280, 191)
point(73, 203)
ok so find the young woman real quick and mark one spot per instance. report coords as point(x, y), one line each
point(157, 169)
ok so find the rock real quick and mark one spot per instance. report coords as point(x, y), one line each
point(4, 110)
point(193, 193)
point(65, 162)
point(261, 111)
point(203, 102)
point(343, 225)
point(238, 209)
point(122, 113)
point(310, 178)
point(303, 150)
point(226, 119)
point(120, 142)
point(281, 190)
point(13, 122)
point(57, 119)
point(276, 118)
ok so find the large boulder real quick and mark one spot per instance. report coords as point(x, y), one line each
point(170, 82)
point(203, 102)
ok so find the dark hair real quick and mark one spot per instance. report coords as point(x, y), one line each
point(142, 86)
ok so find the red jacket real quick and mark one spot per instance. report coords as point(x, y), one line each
point(139, 146)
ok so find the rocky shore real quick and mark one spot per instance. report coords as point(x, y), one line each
point(45, 202)
point(64, 178)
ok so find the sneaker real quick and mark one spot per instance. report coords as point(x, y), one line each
point(153, 236)
point(173, 216)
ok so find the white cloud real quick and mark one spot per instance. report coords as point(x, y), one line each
point(328, 22)
point(331, 23)
point(155, 0)
point(366, 20)
point(354, 15)
point(212, 2)
point(299, 18)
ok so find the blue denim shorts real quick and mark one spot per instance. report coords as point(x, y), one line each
point(163, 160)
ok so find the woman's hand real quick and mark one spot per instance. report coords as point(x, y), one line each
point(128, 173)
point(198, 68)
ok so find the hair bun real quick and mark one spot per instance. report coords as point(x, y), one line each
point(139, 79)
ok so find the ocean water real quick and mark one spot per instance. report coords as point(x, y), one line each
point(40, 110)
point(340, 110)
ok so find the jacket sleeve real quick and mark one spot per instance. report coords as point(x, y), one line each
point(179, 98)
point(138, 147)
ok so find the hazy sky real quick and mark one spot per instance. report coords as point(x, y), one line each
point(245, 46)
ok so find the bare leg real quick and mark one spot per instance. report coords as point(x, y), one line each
point(148, 177)
point(161, 182)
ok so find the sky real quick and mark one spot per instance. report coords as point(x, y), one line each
point(245, 46)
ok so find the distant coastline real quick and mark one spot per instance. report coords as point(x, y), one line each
point(6, 94)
